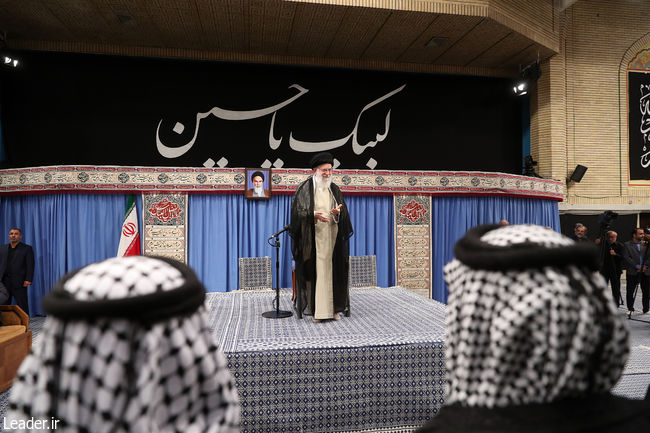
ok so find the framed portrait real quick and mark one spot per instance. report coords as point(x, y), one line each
point(258, 183)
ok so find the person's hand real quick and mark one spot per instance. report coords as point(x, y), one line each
point(27, 283)
point(612, 252)
point(336, 210)
point(321, 216)
point(597, 241)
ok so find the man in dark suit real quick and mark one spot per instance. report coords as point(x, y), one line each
point(635, 269)
point(17, 268)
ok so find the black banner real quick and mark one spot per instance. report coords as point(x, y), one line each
point(639, 124)
point(63, 108)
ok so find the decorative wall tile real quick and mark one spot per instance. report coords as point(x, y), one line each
point(165, 222)
point(413, 241)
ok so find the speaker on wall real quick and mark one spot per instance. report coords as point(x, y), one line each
point(578, 173)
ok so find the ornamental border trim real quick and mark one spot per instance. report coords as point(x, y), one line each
point(121, 179)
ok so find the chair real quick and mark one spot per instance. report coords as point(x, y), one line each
point(363, 271)
point(15, 342)
point(255, 273)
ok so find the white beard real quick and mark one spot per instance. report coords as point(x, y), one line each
point(322, 184)
point(258, 192)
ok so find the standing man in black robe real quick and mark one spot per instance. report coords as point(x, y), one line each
point(611, 267)
point(17, 268)
point(320, 230)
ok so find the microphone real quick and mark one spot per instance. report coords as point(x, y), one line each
point(278, 233)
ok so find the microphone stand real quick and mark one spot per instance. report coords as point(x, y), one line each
point(277, 313)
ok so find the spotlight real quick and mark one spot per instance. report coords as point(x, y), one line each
point(529, 75)
point(9, 61)
point(521, 88)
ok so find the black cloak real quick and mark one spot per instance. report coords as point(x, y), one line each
point(303, 248)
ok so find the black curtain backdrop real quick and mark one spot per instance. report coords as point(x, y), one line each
point(62, 108)
point(623, 225)
point(639, 124)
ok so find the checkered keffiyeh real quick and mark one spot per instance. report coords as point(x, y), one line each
point(126, 348)
point(528, 319)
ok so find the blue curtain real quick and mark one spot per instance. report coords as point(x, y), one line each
point(222, 228)
point(453, 216)
point(67, 231)
point(373, 223)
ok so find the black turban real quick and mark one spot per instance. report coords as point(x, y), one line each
point(321, 158)
point(257, 173)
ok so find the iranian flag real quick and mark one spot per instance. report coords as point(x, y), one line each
point(130, 237)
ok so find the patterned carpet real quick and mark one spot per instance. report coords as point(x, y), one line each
point(381, 368)
point(380, 317)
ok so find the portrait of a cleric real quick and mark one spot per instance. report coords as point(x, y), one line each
point(258, 183)
point(320, 230)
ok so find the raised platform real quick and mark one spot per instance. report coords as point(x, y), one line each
point(380, 369)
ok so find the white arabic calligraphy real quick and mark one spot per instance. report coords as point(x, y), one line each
point(644, 107)
point(307, 146)
point(175, 152)
point(274, 143)
point(356, 147)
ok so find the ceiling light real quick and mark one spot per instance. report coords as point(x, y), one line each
point(521, 88)
point(5, 54)
point(10, 61)
point(528, 76)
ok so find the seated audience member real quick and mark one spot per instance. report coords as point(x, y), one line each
point(126, 348)
point(533, 341)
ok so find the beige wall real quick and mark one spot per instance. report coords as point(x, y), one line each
point(579, 114)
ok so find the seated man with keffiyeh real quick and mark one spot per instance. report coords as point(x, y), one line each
point(126, 348)
point(533, 341)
